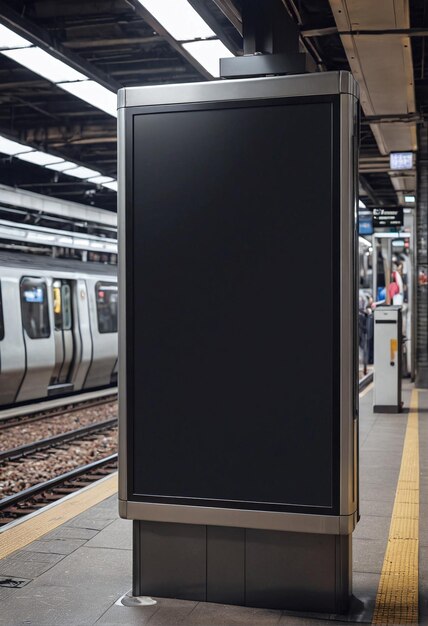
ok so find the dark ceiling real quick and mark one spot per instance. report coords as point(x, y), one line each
point(121, 44)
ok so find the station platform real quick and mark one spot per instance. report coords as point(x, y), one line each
point(71, 563)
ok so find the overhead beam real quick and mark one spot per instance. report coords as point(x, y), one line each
point(54, 206)
point(119, 41)
point(387, 32)
point(41, 38)
point(229, 10)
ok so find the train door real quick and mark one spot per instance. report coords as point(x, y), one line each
point(83, 349)
point(104, 312)
point(38, 339)
point(63, 336)
point(12, 350)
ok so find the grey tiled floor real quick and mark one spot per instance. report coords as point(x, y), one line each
point(78, 571)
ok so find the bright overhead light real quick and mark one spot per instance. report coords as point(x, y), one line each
point(7, 146)
point(9, 39)
point(208, 54)
point(361, 204)
point(62, 167)
point(99, 180)
point(93, 93)
point(82, 172)
point(179, 18)
point(364, 241)
point(409, 199)
point(112, 185)
point(39, 158)
point(44, 64)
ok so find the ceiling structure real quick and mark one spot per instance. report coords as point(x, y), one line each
point(116, 43)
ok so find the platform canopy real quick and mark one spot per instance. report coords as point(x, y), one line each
point(62, 62)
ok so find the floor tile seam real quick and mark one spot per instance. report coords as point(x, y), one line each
point(108, 548)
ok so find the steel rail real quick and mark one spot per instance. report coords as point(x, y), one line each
point(33, 413)
point(52, 442)
point(55, 482)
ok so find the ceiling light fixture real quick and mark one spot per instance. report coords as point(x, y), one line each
point(44, 64)
point(9, 39)
point(82, 172)
point(39, 158)
point(179, 18)
point(208, 54)
point(112, 185)
point(99, 180)
point(7, 146)
point(93, 93)
point(62, 166)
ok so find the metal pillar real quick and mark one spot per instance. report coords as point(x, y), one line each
point(422, 261)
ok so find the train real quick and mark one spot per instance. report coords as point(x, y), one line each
point(58, 326)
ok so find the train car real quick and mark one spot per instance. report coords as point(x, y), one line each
point(58, 326)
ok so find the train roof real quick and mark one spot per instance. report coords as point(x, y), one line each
point(37, 261)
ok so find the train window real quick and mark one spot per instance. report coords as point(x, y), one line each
point(57, 304)
point(66, 306)
point(34, 307)
point(62, 305)
point(106, 295)
point(1, 317)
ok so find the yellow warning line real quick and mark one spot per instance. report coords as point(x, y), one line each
point(397, 595)
point(21, 535)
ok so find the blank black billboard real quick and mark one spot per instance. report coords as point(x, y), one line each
point(233, 311)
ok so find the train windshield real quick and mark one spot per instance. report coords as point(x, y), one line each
point(106, 296)
point(34, 307)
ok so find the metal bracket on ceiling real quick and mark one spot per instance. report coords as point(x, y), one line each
point(271, 43)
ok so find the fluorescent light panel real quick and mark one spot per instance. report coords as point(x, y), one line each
point(99, 180)
point(61, 167)
point(39, 158)
point(179, 18)
point(7, 146)
point(361, 204)
point(208, 54)
point(410, 199)
point(82, 172)
point(93, 93)
point(112, 185)
point(44, 64)
point(9, 39)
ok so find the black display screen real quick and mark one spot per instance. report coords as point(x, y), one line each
point(233, 307)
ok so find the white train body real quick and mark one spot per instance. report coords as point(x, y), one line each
point(58, 326)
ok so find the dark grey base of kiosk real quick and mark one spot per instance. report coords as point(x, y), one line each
point(247, 567)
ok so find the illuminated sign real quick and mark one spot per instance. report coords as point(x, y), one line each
point(401, 160)
point(34, 295)
point(388, 218)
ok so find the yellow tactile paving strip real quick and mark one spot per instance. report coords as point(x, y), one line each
point(397, 595)
point(21, 535)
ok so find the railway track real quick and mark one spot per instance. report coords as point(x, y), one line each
point(38, 496)
point(39, 411)
point(52, 442)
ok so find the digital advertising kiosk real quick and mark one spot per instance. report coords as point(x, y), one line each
point(238, 382)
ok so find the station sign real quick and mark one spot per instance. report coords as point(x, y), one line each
point(388, 218)
point(401, 160)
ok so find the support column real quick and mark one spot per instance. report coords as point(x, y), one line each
point(422, 261)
